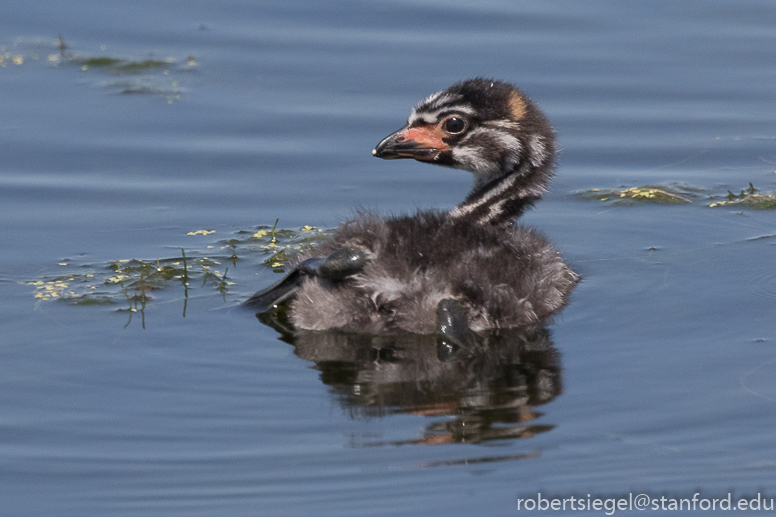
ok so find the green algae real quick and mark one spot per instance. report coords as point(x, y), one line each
point(749, 198)
point(676, 194)
point(130, 284)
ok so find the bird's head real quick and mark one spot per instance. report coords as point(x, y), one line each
point(489, 128)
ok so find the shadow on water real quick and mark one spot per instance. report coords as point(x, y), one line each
point(486, 392)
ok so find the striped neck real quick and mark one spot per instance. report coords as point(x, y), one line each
point(503, 199)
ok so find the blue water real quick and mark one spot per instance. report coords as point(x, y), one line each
point(664, 381)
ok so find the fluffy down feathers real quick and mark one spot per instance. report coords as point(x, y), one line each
point(504, 276)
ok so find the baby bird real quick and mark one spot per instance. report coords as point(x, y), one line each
point(450, 273)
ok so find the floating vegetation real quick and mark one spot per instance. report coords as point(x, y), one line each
point(128, 279)
point(131, 283)
point(748, 198)
point(120, 66)
point(283, 242)
point(139, 76)
point(673, 195)
point(681, 194)
point(97, 62)
point(136, 67)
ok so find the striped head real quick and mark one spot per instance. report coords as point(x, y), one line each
point(489, 128)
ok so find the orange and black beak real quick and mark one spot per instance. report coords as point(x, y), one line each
point(422, 143)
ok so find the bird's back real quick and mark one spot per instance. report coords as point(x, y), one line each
point(504, 276)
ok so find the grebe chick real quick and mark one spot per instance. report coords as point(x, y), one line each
point(453, 272)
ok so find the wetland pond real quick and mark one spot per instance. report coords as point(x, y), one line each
point(148, 152)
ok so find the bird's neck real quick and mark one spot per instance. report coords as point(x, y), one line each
point(504, 198)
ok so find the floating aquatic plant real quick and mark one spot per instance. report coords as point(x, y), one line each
point(130, 279)
point(675, 194)
point(681, 194)
point(131, 283)
point(282, 242)
point(138, 76)
point(97, 62)
point(749, 198)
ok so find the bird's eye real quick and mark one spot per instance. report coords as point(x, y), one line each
point(454, 125)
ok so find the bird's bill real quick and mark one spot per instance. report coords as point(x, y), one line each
point(421, 143)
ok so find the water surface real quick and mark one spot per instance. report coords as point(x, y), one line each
point(661, 367)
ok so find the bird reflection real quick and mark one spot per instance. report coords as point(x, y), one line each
point(486, 390)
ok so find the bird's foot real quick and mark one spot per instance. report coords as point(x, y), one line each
point(453, 332)
point(342, 263)
point(335, 267)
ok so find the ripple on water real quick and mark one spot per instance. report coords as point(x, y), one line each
point(763, 283)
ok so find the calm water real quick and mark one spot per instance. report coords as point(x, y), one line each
point(658, 378)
